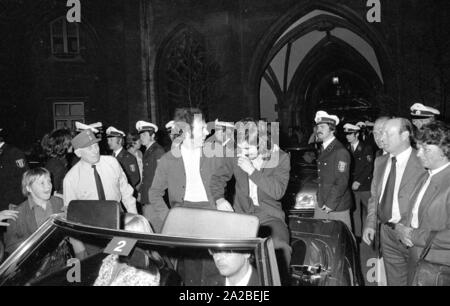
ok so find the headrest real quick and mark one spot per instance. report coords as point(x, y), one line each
point(105, 214)
point(204, 223)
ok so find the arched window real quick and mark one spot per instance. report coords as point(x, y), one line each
point(64, 38)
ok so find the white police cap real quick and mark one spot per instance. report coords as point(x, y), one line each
point(420, 110)
point(113, 132)
point(143, 126)
point(93, 127)
point(350, 128)
point(324, 117)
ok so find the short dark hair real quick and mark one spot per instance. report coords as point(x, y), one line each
point(131, 137)
point(436, 133)
point(57, 142)
point(185, 115)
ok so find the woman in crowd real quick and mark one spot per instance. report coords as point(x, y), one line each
point(57, 146)
point(32, 213)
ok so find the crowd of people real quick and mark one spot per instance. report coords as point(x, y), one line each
point(390, 180)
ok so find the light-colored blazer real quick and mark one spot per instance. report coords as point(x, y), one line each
point(434, 215)
point(414, 173)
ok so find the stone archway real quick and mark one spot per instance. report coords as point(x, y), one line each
point(286, 66)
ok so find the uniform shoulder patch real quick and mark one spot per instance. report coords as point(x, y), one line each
point(342, 166)
point(132, 168)
point(369, 158)
point(20, 163)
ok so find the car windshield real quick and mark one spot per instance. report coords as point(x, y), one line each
point(48, 258)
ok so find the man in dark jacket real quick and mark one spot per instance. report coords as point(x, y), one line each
point(333, 196)
point(153, 152)
point(361, 175)
point(126, 159)
point(12, 166)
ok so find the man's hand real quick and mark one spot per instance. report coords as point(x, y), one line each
point(368, 235)
point(224, 205)
point(8, 215)
point(246, 165)
point(404, 234)
point(326, 209)
point(355, 185)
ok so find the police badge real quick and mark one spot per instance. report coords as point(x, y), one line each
point(342, 166)
point(132, 168)
point(20, 163)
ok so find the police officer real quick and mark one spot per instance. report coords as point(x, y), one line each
point(126, 159)
point(422, 114)
point(153, 152)
point(333, 196)
point(361, 174)
point(12, 166)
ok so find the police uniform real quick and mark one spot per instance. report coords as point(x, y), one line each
point(126, 159)
point(333, 166)
point(422, 114)
point(361, 171)
point(12, 166)
point(150, 160)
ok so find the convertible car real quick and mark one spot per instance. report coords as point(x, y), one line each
point(323, 251)
point(300, 197)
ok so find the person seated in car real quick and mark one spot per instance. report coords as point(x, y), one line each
point(32, 213)
point(141, 269)
point(235, 269)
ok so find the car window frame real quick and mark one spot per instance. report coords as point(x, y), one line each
point(265, 258)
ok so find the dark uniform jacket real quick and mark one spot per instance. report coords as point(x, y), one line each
point(12, 166)
point(130, 167)
point(58, 169)
point(271, 183)
point(361, 165)
point(149, 160)
point(333, 166)
point(170, 174)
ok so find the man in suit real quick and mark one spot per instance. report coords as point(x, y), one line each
point(235, 269)
point(184, 171)
point(396, 175)
point(126, 160)
point(333, 196)
point(153, 152)
point(361, 175)
point(12, 166)
point(262, 176)
point(431, 204)
point(377, 133)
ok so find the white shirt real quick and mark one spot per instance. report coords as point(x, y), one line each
point(415, 211)
point(354, 146)
point(402, 161)
point(1, 144)
point(79, 183)
point(195, 190)
point(325, 144)
point(252, 188)
point(244, 281)
point(116, 153)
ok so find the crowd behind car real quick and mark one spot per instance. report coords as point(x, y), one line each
point(388, 183)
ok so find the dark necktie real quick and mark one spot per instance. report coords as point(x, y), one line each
point(98, 182)
point(385, 209)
